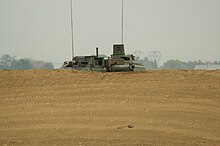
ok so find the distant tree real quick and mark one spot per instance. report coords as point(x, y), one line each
point(22, 64)
point(179, 65)
point(190, 65)
point(200, 62)
point(6, 61)
point(2, 66)
point(173, 65)
point(216, 62)
point(154, 64)
point(48, 65)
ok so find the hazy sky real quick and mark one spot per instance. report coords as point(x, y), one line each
point(41, 29)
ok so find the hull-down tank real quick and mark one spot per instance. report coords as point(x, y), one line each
point(117, 62)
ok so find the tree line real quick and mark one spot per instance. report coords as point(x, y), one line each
point(11, 63)
point(8, 62)
point(172, 64)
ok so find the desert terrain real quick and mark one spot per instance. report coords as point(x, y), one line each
point(151, 108)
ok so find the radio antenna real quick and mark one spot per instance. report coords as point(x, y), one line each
point(122, 21)
point(72, 36)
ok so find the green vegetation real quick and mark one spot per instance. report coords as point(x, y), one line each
point(11, 63)
point(179, 65)
point(172, 64)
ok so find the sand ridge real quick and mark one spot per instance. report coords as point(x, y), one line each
point(68, 107)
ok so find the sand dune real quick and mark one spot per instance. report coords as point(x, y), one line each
point(67, 107)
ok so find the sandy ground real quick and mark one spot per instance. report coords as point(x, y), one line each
point(66, 107)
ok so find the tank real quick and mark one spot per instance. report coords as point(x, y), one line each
point(117, 62)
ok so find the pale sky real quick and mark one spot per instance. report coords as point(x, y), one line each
point(41, 29)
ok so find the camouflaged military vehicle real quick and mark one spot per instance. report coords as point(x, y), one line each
point(118, 62)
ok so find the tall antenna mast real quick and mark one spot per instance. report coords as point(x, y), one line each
point(71, 8)
point(122, 21)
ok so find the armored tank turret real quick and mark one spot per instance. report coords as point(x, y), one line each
point(121, 62)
